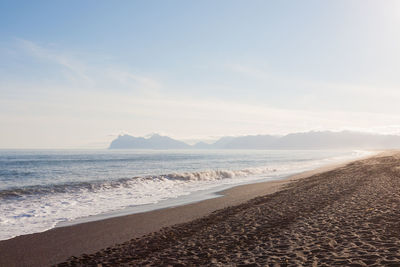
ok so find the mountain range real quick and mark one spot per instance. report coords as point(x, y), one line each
point(307, 140)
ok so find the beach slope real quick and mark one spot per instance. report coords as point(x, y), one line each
point(347, 216)
point(337, 216)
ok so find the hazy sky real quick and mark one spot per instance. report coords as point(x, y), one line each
point(78, 73)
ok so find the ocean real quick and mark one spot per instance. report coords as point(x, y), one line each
point(43, 189)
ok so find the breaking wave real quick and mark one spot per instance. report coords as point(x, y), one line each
point(35, 208)
point(96, 186)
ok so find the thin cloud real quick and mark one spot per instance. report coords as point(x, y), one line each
point(77, 67)
point(85, 75)
point(50, 115)
point(320, 94)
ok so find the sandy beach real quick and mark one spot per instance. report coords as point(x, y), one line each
point(199, 133)
point(337, 215)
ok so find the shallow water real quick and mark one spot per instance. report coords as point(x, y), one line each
point(42, 188)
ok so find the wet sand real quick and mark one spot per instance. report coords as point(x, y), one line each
point(342, 216)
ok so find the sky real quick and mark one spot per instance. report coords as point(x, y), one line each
point(76, 74)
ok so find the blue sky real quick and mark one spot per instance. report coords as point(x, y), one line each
point(78, 73)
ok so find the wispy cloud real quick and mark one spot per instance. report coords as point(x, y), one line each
point(322, 94)
point(75, 66)
point(113, 99)
point(75, 119)
point(84, 74)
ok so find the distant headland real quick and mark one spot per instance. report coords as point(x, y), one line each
point(306, 140)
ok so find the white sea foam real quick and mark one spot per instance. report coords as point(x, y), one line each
point(38, 208)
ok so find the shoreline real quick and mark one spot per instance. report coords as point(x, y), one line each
point(348, 216)
point(198, 196)
point(57, 244)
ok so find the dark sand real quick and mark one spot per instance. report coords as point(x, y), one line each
point(348, 215)
point(56, 245)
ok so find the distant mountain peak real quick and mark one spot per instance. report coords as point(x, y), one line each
point(158, 136)
point(303, 140)
point(155, 141)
